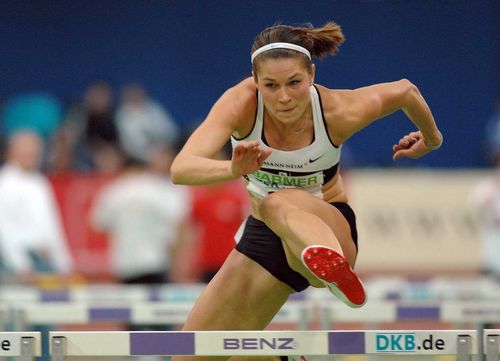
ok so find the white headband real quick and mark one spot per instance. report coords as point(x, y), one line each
point(280, 46)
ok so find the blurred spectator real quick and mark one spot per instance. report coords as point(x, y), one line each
point(88, 139)
point(144, 127)
point(31, 235)
point(492, 135)
point(217, 212)
point(485, 200)
point(142, 212)
point(161, 160)
point(41, 113)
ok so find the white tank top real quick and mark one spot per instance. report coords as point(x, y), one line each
point(308, 168)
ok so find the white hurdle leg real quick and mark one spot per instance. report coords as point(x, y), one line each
point(492, 346)
point(464, 348)
point(58, 348)
point(28, 349)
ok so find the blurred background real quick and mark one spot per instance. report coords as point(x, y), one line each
point(69, 69)
point(97, 97)
point(187, 54)
point(103, 82)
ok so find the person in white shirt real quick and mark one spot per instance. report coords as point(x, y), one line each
point(32, 239)
point(142, 212)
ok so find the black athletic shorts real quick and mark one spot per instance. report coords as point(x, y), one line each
point(262, 245)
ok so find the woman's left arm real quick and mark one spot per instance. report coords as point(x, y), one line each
point(361, 107)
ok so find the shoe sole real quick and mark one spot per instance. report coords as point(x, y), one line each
point(333, 270)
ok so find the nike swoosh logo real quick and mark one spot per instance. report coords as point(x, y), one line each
point(312, 160)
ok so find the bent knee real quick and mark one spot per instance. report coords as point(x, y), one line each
point(271, 205)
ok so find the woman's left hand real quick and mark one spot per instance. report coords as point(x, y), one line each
point(411, 146)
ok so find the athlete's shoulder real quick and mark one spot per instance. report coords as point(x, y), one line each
point(241, 99)
point(248, 84)
point(245, 91)
point(331, 100)
point(337, 111)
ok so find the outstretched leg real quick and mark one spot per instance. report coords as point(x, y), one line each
point(301, 221)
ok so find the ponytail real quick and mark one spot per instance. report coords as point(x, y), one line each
point(320, 42)
point(325, 40)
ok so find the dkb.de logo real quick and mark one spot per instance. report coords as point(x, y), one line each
point(406, 342)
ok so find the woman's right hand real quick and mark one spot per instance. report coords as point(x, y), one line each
point(247, 158)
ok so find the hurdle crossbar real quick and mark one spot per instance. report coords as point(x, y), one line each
point(300, 312)
point(25, 345)
point(462, 343)
point(161, 313)
point(15, 294)
point(39, 313)
point(442, 311)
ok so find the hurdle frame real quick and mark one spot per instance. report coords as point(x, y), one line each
point(461, 343)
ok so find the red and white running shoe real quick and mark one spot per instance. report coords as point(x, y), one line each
point(334, 271)
point(293, 358)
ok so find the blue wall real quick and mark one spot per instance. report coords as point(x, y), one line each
point(188, 52)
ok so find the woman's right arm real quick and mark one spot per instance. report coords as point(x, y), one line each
point(195, 163)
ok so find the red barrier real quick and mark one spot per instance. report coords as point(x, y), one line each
point(75, 193)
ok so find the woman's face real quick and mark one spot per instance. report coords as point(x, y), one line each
point(284, 84)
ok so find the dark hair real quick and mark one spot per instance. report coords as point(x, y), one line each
point(320, 42)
